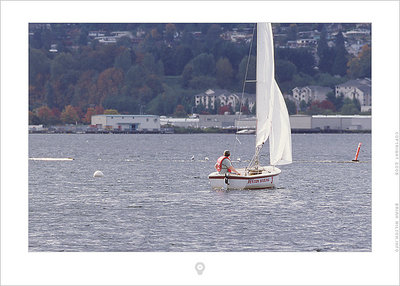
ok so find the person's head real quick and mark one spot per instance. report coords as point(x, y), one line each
point(227, 153)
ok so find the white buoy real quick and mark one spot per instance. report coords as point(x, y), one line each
point(206, 158)
point(192, 157)
point(98, 174)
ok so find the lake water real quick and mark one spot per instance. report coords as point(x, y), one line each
point(155, 198)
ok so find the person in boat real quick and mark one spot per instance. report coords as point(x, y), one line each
point(224, 164)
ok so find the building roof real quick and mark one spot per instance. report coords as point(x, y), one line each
point(362, 84)
point(214, 92)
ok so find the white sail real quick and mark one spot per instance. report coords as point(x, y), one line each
point(272, 115)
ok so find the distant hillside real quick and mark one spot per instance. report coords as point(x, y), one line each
point(154, 68)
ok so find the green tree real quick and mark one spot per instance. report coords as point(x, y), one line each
point(33, 119)
point(123, 61)
point(39, 67)
point(349, 107)
point(303, 105)
point(325, 53)
point(203, 65)
point(187, 75)
point(291, 106)
point(339, 66)
point(224, 73)
point(284, 71)
point(301, 58)
point(336, 101)
point(202, 82)
point(182, 55)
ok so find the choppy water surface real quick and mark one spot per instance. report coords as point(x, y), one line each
point(154, 197)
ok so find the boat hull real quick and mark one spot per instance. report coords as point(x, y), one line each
point(264, 180)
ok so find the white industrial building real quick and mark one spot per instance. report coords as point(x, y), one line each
point(341, 122)
point(128, 123)
point(180, 122)
point(318, 122)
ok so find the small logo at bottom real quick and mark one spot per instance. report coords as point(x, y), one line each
point(200, 267)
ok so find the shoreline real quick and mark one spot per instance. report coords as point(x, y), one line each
point(181, 130)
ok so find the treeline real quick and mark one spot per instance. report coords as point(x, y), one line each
point(161, 69)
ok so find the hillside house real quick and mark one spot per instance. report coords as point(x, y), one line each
point(356, 89)
point(209, 98)
point(310, 93)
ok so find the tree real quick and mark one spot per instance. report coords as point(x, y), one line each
point(327, 105)
point(180, 111)
point(182, 55)
point(349, 108)
point(325, 53)
point(39, 67)
point(303, 105)
point(45, 115)
point(69, 115)
point(123, 61)
point(203, 64)
point(339, 66)
point(224, 73)
point(291, 106)
point(33, 119)
point(336, 101)
point(187, 75)
point(61, 64)
point(109, 83)
point(225, 108)
point(88, 116)
point(360, 66)
point(301, 58)
point(251, 73)
point(284, 70)
point(202, 82)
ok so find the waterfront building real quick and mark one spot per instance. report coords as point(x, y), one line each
point(319, 122)
point(179, 122)
point(128, 123)
point(341, 122)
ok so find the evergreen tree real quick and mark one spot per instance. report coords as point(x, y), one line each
point(339, 66)
point(224, 73)
point(325, 53)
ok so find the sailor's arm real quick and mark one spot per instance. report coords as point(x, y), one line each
point(232, 169)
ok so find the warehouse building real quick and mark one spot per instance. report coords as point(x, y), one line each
point(341, 122)
point(127, 123)
point(319, 122)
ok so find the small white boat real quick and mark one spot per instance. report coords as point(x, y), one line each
point(263, 179)
point(272, 124)
point(246, 131)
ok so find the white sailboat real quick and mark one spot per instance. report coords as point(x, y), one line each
point(272, 123)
